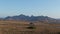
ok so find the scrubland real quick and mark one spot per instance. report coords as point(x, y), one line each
point(20, 27)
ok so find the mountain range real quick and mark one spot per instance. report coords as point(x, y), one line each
point(32, 18)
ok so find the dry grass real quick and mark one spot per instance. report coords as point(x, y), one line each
point(20, 27)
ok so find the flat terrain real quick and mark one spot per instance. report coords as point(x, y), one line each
point(21, 27)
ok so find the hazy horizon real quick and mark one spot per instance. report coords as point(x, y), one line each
point(49, 8)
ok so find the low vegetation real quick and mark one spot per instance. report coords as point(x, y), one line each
point(25, 27)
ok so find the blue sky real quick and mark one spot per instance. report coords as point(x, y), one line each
point(49, 8)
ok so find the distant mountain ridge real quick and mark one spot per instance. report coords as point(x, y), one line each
point(33, 18)
point(29, 18)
